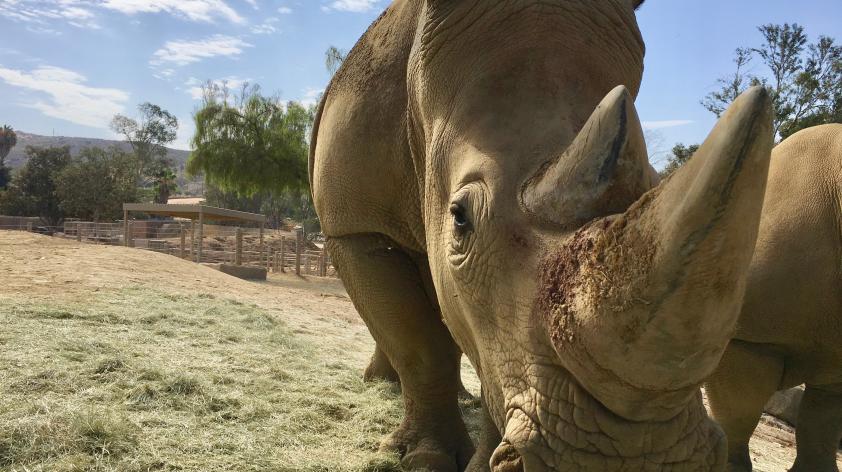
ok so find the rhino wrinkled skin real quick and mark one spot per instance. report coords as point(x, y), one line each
point(481, 175)
point(791, 320)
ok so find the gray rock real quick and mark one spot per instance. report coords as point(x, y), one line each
point(244, 272)
point(784, 405)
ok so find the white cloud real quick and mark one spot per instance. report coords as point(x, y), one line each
point(311, 96)
point(267, 27)
point(81, 13)
point(665, 124)
point(64, 95)
point(194, 10)
point(187, 52)
point(352, 5)
point(285, 10)
point(40, 13)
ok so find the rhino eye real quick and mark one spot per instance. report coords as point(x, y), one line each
point(461, 224)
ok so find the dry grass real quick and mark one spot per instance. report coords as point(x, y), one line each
point(120, 359)
point(137, 380)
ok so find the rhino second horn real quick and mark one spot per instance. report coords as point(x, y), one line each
point(604, 170)
point(669, 274)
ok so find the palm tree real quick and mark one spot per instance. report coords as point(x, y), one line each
point(8, 140)
point(165, 185)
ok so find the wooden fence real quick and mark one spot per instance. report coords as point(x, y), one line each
point(277, 251)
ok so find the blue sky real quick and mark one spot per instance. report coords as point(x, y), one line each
point(67, 66)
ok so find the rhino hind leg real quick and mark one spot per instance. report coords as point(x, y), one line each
point(819, 429)
point(379, 368)
point(739, 389)
point(392, 291)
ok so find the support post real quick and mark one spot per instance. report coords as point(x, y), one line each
point(238, 247)
point(192, 238)
point(323, 262)
point(182, 242)
point(299, 236)
point(201, 236)
point(270, 255)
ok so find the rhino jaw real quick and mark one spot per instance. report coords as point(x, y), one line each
point(640, 306)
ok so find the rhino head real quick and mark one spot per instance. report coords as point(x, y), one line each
point(591, 304)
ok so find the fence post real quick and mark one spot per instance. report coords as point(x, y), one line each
point(201, 236)
point(323, 268)
point(299, 236)
point(79, 231)
point(182, 242)
point(192, 238)
point(283, 253)
point(29, 226)
point(270, 255)
point(238, 247)
point(130, 235)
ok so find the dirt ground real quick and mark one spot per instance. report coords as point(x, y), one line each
point(43, 268)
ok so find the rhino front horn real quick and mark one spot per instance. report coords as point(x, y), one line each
point(605, 170)
point(659, 288)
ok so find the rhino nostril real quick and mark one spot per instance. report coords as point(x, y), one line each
point(506, 459)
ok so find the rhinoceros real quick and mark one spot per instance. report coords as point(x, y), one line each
point(481, 175)
point(790, 325)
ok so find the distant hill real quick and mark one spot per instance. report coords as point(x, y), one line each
point(17, 157)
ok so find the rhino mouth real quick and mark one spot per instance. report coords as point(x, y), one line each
point(558, 425)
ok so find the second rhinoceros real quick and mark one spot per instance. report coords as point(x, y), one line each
point(481, 175)
point(790, 326)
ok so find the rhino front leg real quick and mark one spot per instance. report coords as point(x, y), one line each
point(379, 368)
point(391, 290)
point(737, 391)
point(819, 429)
point(488, 442)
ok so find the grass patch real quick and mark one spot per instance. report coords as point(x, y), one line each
point(139, 380)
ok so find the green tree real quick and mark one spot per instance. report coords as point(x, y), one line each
point(148, 136)
point(215, 196)
point(680, 155)
point(8, 140)
point(250, 144)
point(33, 189)
point(293, 204)
point(96, 183)
point(805, 79)
point(334, 57)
